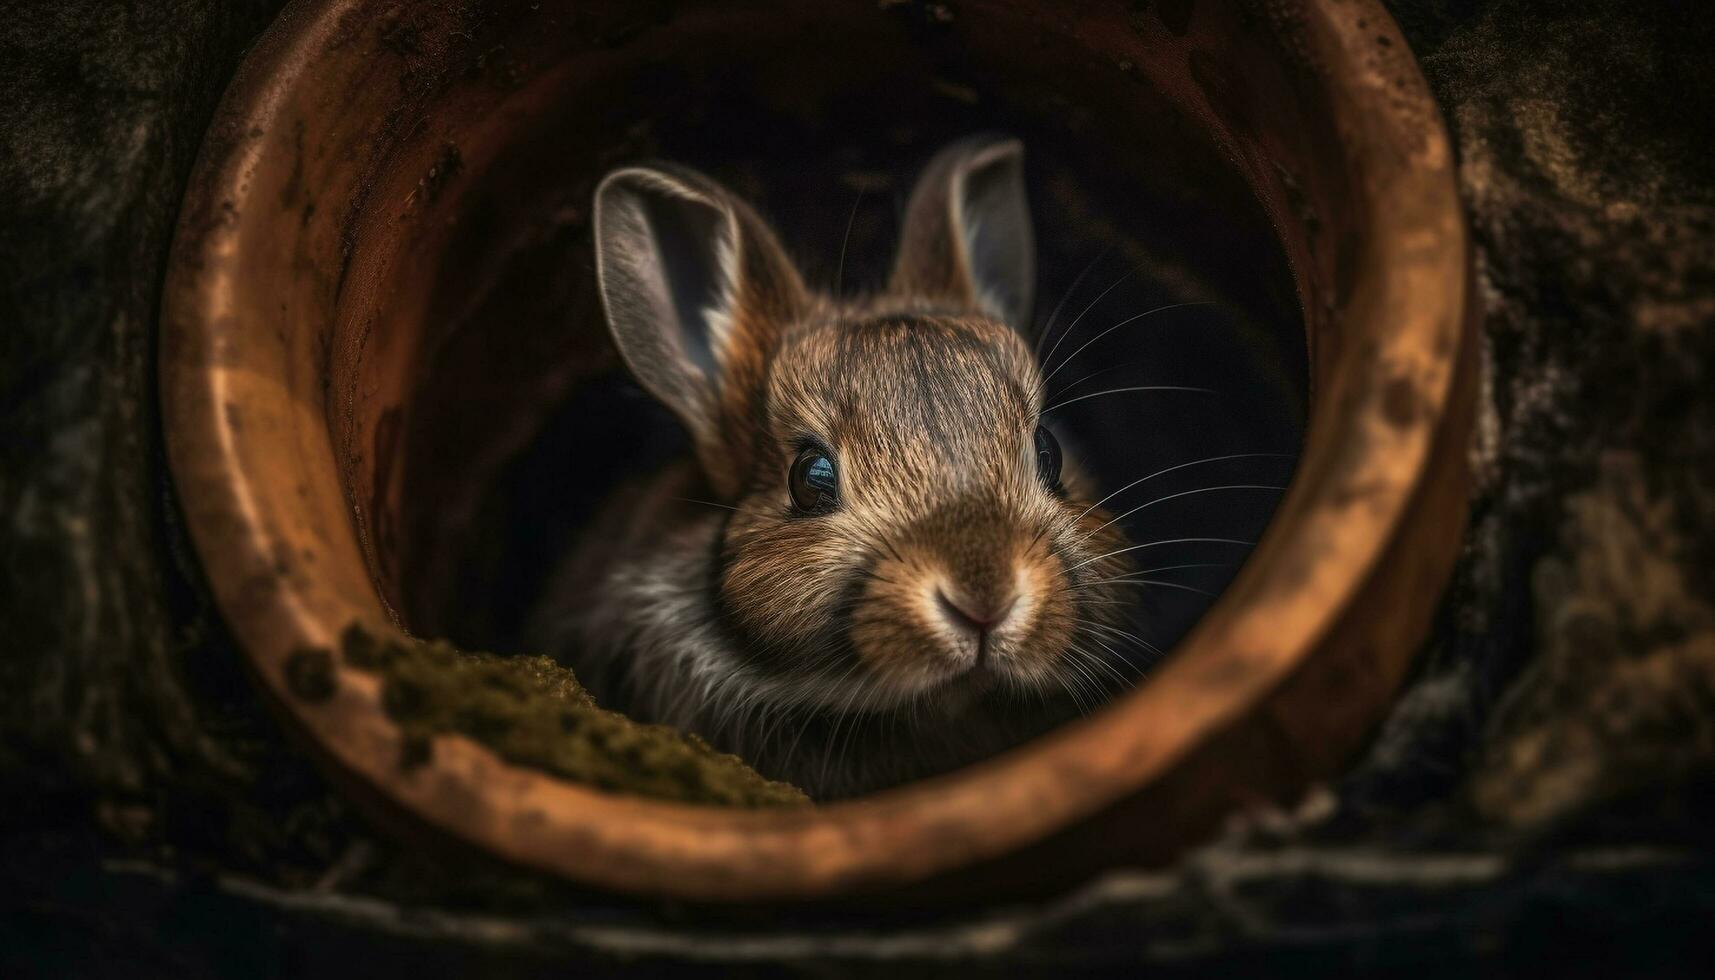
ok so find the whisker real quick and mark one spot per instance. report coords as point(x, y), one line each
point(793, 748)
point(1170, 568)
point(1076, 691)
point(1087, 663)
point(1150, 581)
point(706, 503)
point(1175, 496)
point(1130, 319)
point(844, 711)
point(782, 716)
point(1120, 391)
point(1156, 544)
point(1170, 469)
point(1074, 324)
point(859, 719)
point(750, 511)
point(1132, 637)
point(1043, 386)
point(1101, 664)
point(1048, 327)
point(845, 241)
point(1109, 628)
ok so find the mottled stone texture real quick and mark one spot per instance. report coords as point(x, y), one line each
point(1576, 660)
point(103, 111)
point(1538, 801)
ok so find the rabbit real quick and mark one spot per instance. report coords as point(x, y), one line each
point(878, 564)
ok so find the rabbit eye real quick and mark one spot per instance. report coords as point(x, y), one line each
point(814, 482)
point(1048, 459)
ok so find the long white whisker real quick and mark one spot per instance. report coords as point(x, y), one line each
point(840, 715)
point(1166, 568)
point(857, 721)
point(1093, 375)
point(1175, 496)
point(1103, 665)
point(1165, 585)
point(1048, 327)
point(1130, 319)
point(1155, 544)
point(1087, 677)
point(753, 512)
point(1119, 391)
point(1074, 324)
point(1113, 630)
point(706, 503)
point(846, 240)
point(1195, 462)
point(1132, 637)
point(792, 749)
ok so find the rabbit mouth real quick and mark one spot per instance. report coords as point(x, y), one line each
point(951, 671)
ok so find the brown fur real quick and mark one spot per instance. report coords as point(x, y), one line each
point(820, 645)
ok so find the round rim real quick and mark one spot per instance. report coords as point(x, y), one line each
point(1364, 469)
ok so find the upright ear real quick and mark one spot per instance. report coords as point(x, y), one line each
point(967, 236)
point(697, 290)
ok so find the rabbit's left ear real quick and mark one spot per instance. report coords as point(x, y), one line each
point(697, 291)
point(967, 236)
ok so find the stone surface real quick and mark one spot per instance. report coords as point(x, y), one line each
point(1573, 662)
point(104, 110)
point(1540, 795)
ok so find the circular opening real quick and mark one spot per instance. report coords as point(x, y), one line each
point(392, 399)
point(517, 421)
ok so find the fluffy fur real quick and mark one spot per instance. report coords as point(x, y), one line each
point(827, 649)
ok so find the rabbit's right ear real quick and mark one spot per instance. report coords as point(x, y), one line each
point(967, 235)
point(697, 290)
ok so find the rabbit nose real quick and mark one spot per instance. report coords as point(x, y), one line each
point(976, 616)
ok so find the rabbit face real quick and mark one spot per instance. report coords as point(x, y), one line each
point(944, 551)
point(901, 526)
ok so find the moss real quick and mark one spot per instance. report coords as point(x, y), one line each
point(532, 712)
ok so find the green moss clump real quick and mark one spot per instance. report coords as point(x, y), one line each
point(531, 711)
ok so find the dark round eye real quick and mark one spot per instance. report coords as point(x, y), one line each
point(814, 482)
point(1048, 458)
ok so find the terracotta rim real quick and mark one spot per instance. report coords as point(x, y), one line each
point(1328, 607)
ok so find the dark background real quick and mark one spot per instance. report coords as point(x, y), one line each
point(1539, 800)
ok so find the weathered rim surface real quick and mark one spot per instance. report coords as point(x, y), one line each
point(1273, 689)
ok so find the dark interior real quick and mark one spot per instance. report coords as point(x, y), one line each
point(521, 421)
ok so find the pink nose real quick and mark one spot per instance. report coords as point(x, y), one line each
point(977, 617)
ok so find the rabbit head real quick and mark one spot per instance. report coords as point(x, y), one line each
point(902, 524)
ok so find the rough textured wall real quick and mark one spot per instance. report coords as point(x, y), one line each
point(1576, 661)
point(1541, 792)
point(102, 115)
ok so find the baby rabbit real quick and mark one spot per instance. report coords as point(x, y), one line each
point(877, 566)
